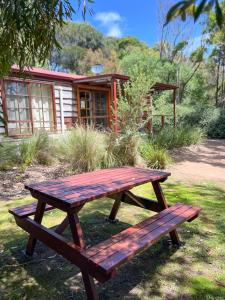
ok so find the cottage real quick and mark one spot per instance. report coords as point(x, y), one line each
point(54, 101)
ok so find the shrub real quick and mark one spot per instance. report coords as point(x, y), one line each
point(84, 147)
point(9, 155)
point(217, 127)
point(38, 149)
point(154, 156)
point(171, 138)
point(122, 149)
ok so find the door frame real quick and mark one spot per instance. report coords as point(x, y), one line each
point(88, 88)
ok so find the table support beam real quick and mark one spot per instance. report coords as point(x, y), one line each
point(37, 218)
point(163, 205)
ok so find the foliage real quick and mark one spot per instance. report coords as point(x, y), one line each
point(132, 102)
point(8, 155)
point(195, 9)
point(83, 46)
point(216, 128)
point(122, 149)
point(28, 30)
point(38, 149)
point(155, 157)
point(170, 138)
point(84, 148)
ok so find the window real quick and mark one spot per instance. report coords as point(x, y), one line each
point(18, 108)
point(94, 108)
point(29, 107)
point(42, 111)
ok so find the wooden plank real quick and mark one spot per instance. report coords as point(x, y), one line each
point(131, 230)
point(37, 218)
point(116, 207)
point(134, 237)
point(163, 204)
point(130, 249)
point(76, 190)
point(67, 249)
point(96, 175)
point(24, 211)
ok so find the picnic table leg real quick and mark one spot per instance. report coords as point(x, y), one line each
point(163, 205)
point(78, 239)
point(38, 218)
point(116, 206)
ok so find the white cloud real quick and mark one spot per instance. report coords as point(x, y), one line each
point(108, 17)
point(115, 31)
point(111, 21)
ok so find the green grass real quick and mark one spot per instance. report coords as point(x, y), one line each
point(162, 272)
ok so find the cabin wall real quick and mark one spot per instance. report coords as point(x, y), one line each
point(63, 91)
point(66, 94)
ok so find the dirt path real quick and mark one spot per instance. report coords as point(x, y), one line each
point(203, 163)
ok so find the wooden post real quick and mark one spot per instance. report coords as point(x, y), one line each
point(78, 239)
point(162, 122)
point(163, 205)
point(37, 218)
point(114, 104)
point(174, 109)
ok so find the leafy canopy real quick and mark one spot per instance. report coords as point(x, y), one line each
point(28, 29)
point(195, 8)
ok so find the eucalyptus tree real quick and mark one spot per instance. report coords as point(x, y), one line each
point(28, 29)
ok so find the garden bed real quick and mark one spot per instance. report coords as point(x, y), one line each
point(12, 181)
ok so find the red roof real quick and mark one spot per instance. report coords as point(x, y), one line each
point(47, 73)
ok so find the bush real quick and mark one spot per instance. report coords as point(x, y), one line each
point(84, 148)
point(38, 149)
point(122, 150)
point(217, 127)
point(9, 155)
point(154, 156)
point(171, 138)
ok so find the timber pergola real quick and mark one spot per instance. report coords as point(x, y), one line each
point(110, 81)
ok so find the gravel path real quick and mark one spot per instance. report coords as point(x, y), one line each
point(203, 163)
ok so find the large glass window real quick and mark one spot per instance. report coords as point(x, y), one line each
point(42, 111)
point(18, 108)
point(93, 108)
point(29, 107)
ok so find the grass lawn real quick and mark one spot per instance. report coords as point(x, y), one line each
point(194, 271)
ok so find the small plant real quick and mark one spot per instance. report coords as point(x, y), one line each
point(154, 156)
point(122, 149)
point(171, 138)
point(9, 155)
point(84, 147)
point(38, 149)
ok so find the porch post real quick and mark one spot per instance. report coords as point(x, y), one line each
point(114, 102)
point(61, 109)
point(174, 109)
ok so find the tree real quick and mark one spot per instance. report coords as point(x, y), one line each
point(28, 29)
point(195, 9)
point(75, 39)
point(132, 102)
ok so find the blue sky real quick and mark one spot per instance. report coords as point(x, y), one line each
point(131, 17)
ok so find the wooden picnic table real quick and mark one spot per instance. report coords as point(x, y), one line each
point(70, 194)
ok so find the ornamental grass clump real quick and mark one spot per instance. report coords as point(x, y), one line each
point(84, 148)
point(154, 156)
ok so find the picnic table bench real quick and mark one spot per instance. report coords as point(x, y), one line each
point(71, 193)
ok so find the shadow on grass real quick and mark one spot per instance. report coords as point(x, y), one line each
point(50, 276)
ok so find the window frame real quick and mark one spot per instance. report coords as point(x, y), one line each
point(29, 82)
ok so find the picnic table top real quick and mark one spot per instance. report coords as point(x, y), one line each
point(77, 189)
